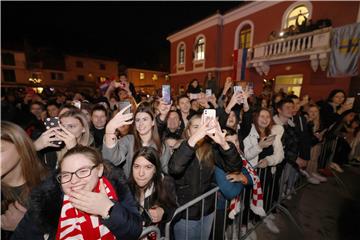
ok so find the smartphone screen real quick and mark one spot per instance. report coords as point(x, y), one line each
point(208, 92)
point(238, 89)
point(166, 94)
point(124, 104)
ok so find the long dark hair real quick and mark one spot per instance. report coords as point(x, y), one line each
point(146, 107)
point(160, 195)
point(333, 93)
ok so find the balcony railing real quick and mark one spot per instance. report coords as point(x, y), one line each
point(312, 46)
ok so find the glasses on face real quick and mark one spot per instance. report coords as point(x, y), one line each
point(66, 177)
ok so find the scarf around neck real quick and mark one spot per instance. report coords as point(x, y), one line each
point(75, 224)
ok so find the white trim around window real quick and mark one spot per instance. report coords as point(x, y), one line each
point(237, 32)
point(199, 63)
point(307, 4)
point(180, 67)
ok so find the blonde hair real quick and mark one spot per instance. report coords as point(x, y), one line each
point(31, 169)
point(86, 138)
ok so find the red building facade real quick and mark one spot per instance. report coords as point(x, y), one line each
point(297, 62)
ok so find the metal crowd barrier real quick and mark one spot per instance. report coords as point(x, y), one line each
point(276, 188)
point(327, 152)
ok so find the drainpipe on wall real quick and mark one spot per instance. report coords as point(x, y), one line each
point(218, 53)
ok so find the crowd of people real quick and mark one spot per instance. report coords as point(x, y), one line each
point(107, 166)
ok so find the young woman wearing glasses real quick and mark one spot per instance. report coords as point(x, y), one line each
point(85, 198)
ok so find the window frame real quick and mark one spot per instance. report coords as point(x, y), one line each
point(9, 70)
point(10, 63)
point(238, 30)
point(196, 53)
point(291, 8)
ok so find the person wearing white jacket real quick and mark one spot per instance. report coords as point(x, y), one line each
point(263, 134)
point(263, 148)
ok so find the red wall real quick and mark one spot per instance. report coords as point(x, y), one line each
point(316, 84)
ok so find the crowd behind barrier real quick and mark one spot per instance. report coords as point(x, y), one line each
point(210, 164)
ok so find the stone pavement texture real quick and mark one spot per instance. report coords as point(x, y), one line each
point(329, 211)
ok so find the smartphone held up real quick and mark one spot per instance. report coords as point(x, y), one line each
point(166, 94)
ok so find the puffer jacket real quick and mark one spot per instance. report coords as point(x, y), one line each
point(193, 179)
point(42, 218)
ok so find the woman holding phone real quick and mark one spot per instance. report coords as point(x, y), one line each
point(263, 148)
point(121, 151)
point(73, 129)
point(192, 166)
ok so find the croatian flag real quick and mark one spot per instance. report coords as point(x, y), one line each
point(239, 66)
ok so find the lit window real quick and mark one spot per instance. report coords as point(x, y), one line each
point(102, 79)
point(299, 13)
point(245, 35)
point(200, 49)
point(182, 54)
point(142, 76)
point(154, 77)
point(291, 84)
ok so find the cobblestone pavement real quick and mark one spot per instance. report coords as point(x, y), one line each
point(327, 211)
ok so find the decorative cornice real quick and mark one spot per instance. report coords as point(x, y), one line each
point(247, 9)
point(197, 27)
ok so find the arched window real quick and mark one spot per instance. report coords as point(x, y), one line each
point(200, 48)
point(245, 37)
point(244, 34)
point(297, 12)
point(181, 54)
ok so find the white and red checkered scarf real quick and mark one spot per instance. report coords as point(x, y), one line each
point(257, 197)
point(75, 224)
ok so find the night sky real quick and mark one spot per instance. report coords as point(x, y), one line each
point(134, 33)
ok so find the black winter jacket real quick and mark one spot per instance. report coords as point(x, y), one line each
point(193, 179)
point(45, 206)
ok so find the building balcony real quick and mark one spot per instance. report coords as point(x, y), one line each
point(311, 46)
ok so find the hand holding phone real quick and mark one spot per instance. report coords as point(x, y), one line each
point(270, 138)
point(52, 122)
point(208, 115)
point(123, 105)
point(208, 92)
point(267, 141)
point(166, 94)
